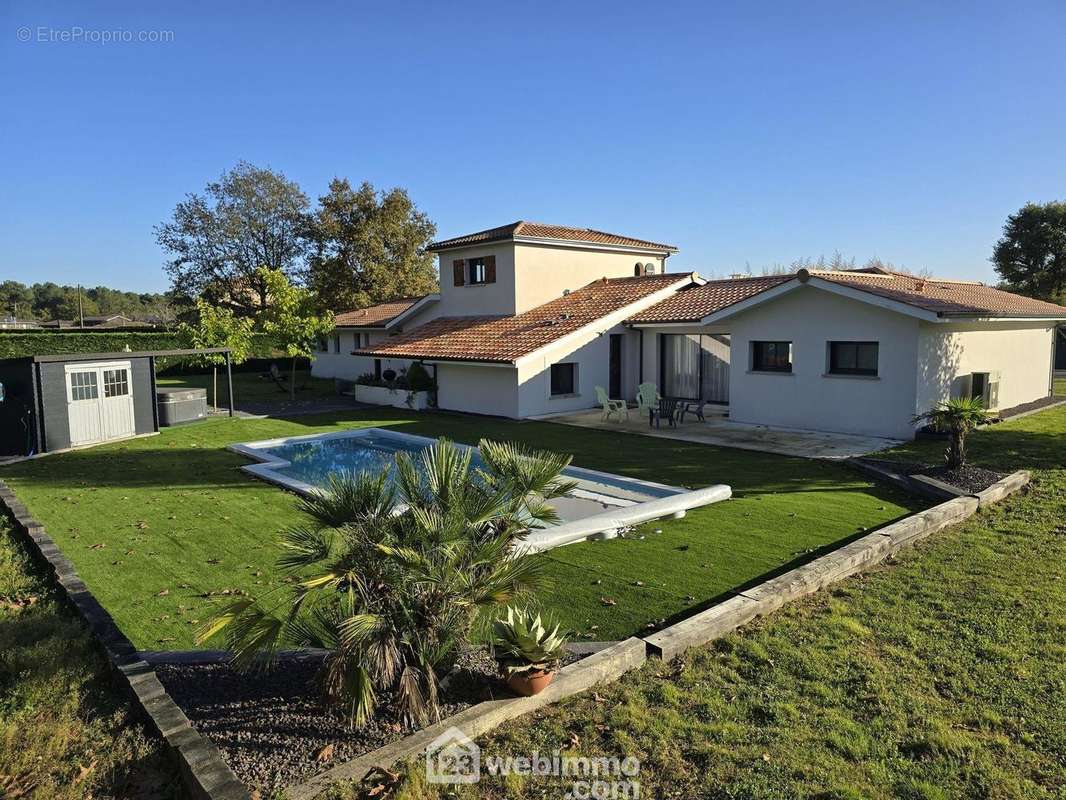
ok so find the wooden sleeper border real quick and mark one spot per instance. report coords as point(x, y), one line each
point(208, 776)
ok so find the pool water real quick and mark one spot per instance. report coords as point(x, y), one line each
point(305, 464)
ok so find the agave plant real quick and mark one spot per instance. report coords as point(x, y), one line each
point(958, 417)
point(395, 569)
point(523, 643)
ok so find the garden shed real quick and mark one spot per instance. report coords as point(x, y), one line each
point(56, 402)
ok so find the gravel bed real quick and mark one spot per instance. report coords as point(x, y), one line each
point(968, 478)
point(1035, 405)
point(271, 726)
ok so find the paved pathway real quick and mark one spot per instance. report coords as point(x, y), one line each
point(725, 433)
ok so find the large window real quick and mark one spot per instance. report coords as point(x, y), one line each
point(853, 358)
point(564, 379)
point(771, 356)
point(694, 367)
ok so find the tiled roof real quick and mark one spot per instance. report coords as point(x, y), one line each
point(375, 316)
point(537, 230)
point(944, 297)
point(506, 339)
point(696, 302)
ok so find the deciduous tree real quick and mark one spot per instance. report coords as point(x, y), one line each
point(249, 218)
point(1030, 257)
point(368, 247)
point(218, 327)
point(292, 319)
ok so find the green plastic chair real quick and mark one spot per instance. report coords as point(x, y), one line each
point(647, 397)
point(611, 406)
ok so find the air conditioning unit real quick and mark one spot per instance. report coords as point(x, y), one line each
point(983, 386)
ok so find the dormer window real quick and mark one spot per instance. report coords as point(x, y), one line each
point(474, 271)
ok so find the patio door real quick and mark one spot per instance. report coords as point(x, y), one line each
point(615, 390)
point(99, 402)
point(695, 367)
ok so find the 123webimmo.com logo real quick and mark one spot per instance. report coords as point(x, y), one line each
point(454, 758)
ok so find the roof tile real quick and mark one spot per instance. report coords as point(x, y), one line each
point(537, 230)
point(376, 316)
point(506, 339)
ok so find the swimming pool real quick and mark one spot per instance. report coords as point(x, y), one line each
point(601, 504)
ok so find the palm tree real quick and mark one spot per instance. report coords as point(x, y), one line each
point(958, 417)
point(395, 571)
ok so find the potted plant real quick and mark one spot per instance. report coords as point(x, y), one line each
point(527, 651)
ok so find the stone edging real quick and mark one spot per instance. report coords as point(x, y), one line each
point(830, 568)
point(205, 774)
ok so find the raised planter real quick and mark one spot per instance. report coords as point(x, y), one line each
point(397, 398)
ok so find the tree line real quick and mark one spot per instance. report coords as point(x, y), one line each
point(355, 247)
point(46, 301)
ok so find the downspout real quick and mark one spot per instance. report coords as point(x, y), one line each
point(640, 361)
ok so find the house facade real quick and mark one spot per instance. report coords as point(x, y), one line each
point(531, 319)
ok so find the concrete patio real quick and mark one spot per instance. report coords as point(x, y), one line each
point(718, 430)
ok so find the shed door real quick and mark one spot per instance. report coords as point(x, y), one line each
point(99, 402)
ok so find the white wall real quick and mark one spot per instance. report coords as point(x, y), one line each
point(545, 271)
point(592, 357)
point(807, 397)
point(344, 365)
point(1020, 352)
point(479, 299)
point(477, 389)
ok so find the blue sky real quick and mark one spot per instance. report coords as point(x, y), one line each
point(746, 134)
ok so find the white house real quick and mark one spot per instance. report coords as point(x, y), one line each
point(531, 318)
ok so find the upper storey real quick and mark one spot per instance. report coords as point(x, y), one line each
point(516, 267)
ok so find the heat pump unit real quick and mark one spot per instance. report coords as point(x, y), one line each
point(984, 386)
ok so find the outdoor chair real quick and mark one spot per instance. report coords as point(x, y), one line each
point(669, 409)
point(611, 406)
point(647, 399)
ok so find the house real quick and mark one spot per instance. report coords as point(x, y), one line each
point(531, 318)
point(96, 321)
point(15, 324)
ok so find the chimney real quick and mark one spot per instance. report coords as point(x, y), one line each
point(919, 285)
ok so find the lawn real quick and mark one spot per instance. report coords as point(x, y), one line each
point(65, 733)
point(252, 387)
point(167, 528)
point(941, 674)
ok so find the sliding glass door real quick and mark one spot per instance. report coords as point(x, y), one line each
point(694, 367)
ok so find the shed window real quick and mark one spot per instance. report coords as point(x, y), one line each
point(83, 386)
point(771, 356)
point(563, 379)
point(853, 358)
point(116, 383)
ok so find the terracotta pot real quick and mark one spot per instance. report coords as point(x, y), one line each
point(530, 683)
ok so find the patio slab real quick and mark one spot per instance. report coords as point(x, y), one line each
point(726, 433)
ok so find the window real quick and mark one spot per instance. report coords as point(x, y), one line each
point(564, 379)
point(771, 356)
point(83, 386)
point(116, 383)
point(336, 343)
point(321, 344)
point(478, 273)
point(853, 358)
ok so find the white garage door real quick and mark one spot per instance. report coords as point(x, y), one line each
point(99, 402)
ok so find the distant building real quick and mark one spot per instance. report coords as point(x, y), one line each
point(12, 324)
point(104, 321)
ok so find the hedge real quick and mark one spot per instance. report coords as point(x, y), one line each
point(22, 344)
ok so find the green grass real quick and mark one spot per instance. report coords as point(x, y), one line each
point(1060, 386)
point(167, 528)
point(941, 674)
point(65, 733)
point(251, 387)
